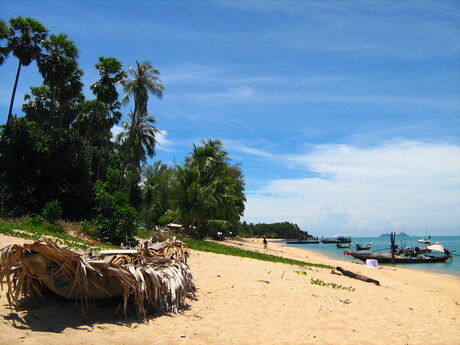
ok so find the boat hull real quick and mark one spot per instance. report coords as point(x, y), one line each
point(345, 240)
point(386, 259)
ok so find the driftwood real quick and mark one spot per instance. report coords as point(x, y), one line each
point(357, 276)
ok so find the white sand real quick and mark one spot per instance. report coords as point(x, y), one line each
point(245, 301)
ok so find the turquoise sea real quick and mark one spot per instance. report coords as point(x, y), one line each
point(451, 267)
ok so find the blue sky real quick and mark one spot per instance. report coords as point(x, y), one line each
point(344, 115)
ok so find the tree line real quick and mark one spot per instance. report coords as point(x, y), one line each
point(276, 230)
point(61, 150)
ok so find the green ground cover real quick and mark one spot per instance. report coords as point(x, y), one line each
point(217, 248)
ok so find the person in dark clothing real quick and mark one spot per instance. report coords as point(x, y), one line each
point(265, 243)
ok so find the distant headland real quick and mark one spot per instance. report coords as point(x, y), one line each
point(401, 234)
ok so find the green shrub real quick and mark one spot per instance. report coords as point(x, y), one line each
point(52, 211)
point(115, 216)
point(34, 219)
point(89, 229)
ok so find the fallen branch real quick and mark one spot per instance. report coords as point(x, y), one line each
point(357, 276)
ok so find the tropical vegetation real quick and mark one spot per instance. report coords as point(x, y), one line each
point(59, 159)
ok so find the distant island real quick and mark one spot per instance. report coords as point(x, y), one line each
point(401, 234)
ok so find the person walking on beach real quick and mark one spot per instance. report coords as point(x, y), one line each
point(265, 243)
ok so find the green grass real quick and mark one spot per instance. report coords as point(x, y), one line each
point(206, 246)
point(34, 231)
point(333, 285)
point(144, 234)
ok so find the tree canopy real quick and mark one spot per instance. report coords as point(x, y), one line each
point(59, 155)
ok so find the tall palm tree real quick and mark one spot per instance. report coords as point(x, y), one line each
point(59, 68)
point(144, 80)
point(25, 42)
point(105, 88)
point(138, 142)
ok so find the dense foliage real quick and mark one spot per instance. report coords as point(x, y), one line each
point(209, 191)
point(59, 156)
point(275, 230)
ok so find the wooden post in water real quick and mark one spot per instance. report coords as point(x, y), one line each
point(393, 246)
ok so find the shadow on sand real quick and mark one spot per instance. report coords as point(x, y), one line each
point(55, 314)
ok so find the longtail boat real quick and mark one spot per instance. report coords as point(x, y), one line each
point(385, 258)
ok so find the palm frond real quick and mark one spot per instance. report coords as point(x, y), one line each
point(158, 279)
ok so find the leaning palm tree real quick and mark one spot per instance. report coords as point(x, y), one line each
point(138, 141)
point(25, 41)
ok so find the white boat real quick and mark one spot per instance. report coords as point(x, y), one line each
point(424, 240)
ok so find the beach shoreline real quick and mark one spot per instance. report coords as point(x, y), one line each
point(247, 301)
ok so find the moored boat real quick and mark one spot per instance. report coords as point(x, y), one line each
point(337, 239)
point(303, 242)
point(424, 240)
point(398, 259)
point(343, 245)
point(363, 246)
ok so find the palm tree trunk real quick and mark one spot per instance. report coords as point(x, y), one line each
point(99, 161)
point(122, 173)
point(14, 93)
point(91, 117)
point(131, 179)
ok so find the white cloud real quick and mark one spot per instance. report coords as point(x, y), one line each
point(366, 191)
point(246, 149)
point(163, 142)
point(230, 94)
point(115, 131)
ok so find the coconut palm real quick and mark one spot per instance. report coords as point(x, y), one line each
point(144, 80)
point(208, 187)
point(25, 41)
point(138, 141)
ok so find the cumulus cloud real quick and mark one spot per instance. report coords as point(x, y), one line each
point(395, 186)
point(115, 131)
point(163, 142)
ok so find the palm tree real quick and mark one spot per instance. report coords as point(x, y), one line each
point(25, 42)
point(208, 188)
point(144, 80)
point(59, 68)
point(5, 32)
point(138, 142)
point(105, 88)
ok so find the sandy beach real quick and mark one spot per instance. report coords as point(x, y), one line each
point(246, 301)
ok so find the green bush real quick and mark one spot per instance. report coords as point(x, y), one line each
point(89, 229)
point(115, 216)
point(34, 219)
point(52, 211)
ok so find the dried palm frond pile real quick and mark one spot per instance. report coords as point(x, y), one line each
point(153, 280)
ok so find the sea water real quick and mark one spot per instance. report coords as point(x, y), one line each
point(382, 244)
